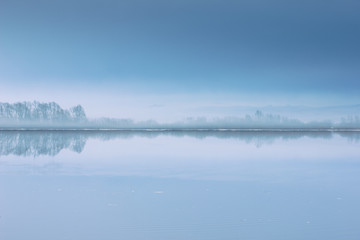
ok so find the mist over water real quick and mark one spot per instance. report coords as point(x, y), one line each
point(255, 176)
point(36, 115)
point(258, 176)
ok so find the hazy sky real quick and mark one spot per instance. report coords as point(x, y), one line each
point(130, 57)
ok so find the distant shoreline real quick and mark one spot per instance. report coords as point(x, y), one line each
point(188, 129)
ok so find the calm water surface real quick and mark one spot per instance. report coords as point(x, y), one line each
point(179, 185)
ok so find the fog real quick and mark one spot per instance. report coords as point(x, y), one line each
point(36, 115)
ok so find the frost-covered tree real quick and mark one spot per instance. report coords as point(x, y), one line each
point(77, 113)
point(40, 112)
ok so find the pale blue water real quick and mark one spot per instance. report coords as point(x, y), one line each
point(179, 185)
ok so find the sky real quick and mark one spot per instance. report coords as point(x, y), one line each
point(143, 59)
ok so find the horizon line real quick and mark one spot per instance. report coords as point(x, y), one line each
point(188, 129)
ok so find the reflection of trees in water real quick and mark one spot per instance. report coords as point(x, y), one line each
point(36, 143)
point(351, 136)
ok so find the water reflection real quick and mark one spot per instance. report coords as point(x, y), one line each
point(179, 185)
point(50, 143)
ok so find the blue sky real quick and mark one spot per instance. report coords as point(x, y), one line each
point(154, 53)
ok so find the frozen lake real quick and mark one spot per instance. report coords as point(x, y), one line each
point(165, 185)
